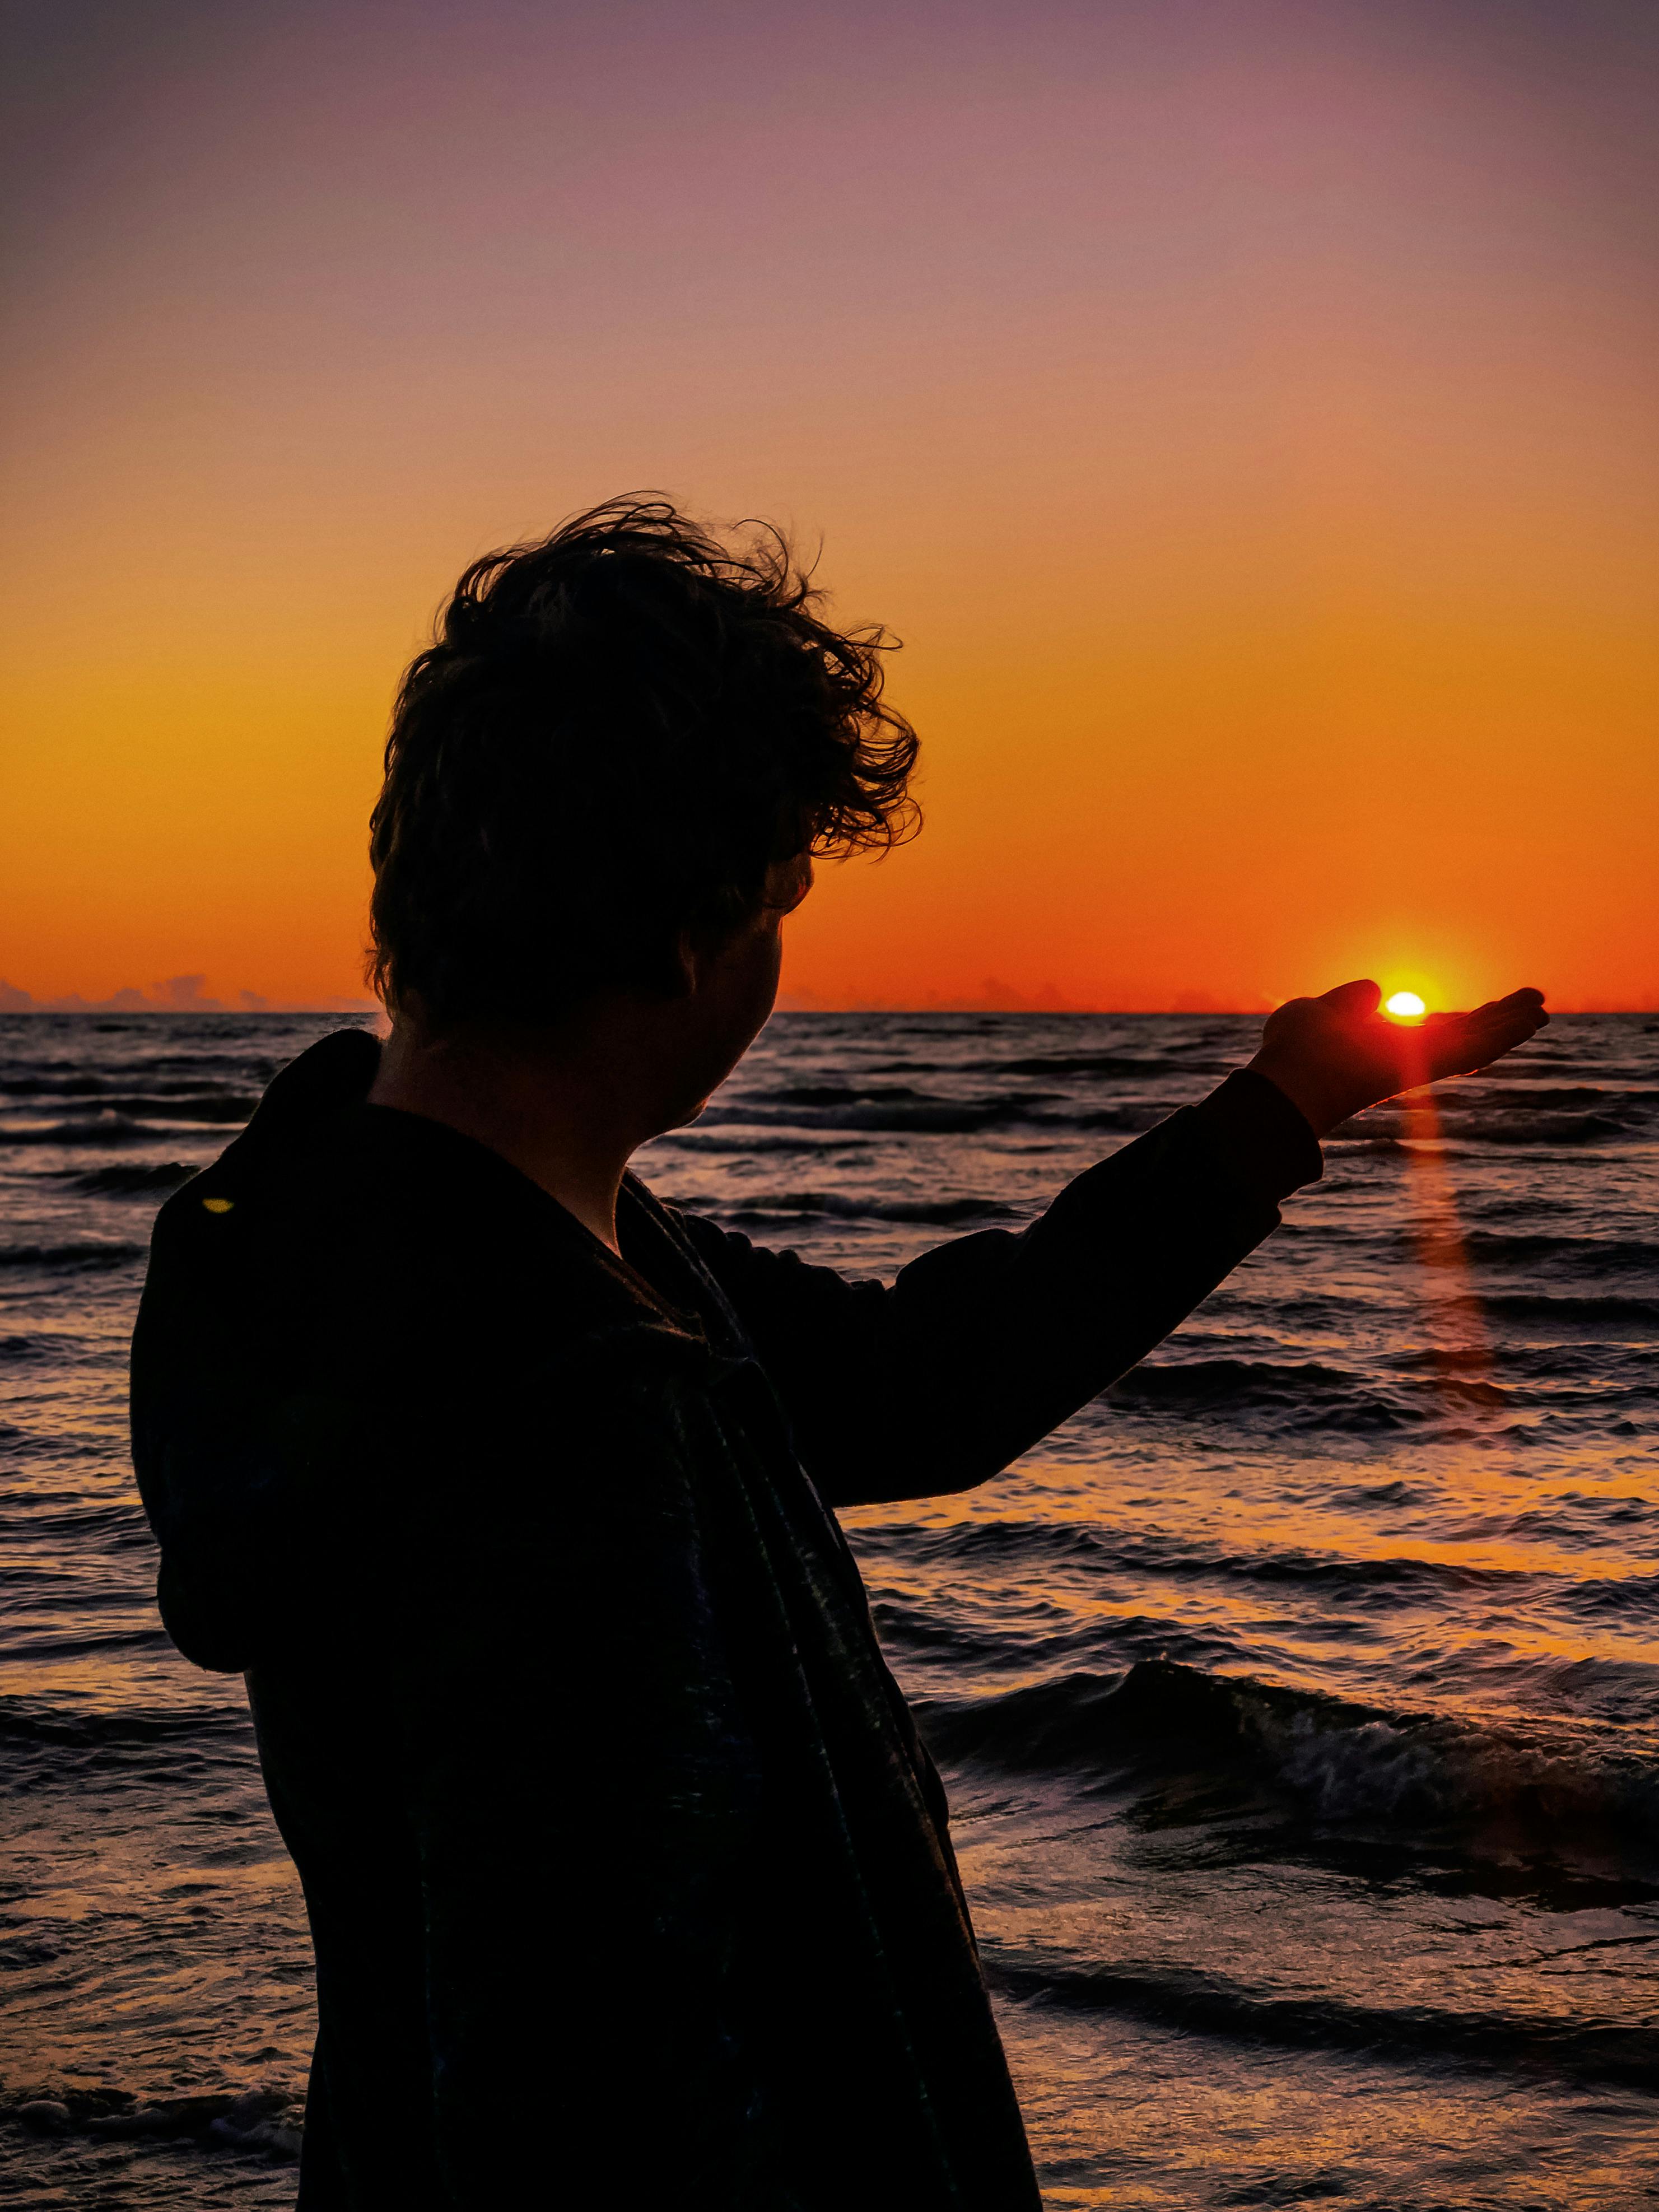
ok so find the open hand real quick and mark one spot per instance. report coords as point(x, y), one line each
point(1333, 1055)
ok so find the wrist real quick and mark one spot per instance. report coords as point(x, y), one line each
point(1266, 1139)
point(1314, 1099)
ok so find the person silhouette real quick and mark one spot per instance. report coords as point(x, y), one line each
point(512, 1489)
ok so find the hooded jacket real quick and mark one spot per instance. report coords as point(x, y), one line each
point(629, 1877)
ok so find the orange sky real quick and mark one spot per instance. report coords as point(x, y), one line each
point(1245, 411)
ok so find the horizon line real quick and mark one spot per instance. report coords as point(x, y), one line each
point(75, 1004)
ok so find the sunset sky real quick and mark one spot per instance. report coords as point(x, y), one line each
point(1245, 413)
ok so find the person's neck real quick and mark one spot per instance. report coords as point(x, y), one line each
point(556, 1111)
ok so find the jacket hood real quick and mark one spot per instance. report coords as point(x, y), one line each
point(317, 1303)
point(210, 1469)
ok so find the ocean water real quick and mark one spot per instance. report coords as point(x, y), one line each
point(1298, 1699)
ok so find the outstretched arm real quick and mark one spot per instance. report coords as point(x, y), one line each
point(984, 1345)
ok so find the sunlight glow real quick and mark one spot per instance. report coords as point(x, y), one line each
point(1405, 1006)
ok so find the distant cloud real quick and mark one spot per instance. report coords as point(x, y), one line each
point(176, 995)
point(183, 993)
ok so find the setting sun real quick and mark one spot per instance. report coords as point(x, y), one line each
point(1405, 1006)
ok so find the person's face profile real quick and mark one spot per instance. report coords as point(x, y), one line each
point(735, 987)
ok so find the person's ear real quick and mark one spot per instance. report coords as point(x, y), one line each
point(686, 965)
point(787, 882)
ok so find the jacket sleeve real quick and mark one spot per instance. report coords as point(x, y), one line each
point(984, 1345)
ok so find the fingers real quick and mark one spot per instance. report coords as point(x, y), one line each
point(1363, 997)
point(1503, 1024)
point(1460, 1044)
point(1522, 1011)
point(1527, 1005)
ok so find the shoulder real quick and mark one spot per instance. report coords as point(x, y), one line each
point(390, 1255)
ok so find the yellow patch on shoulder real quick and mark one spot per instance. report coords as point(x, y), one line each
point(218, 1205)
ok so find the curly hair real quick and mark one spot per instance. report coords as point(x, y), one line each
point(616, 733)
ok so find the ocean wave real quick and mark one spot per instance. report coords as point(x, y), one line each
point(193, 1100)
point(1476, 1127)
point(1047, 1544)
point(1590, 1255)
point(698, 1140)
point(215, 1106)
point(1204, 1381)
point(71, 1079)
point(1470, 1097)
point(30, 1724)
point(82, 1254)
point(1298, 1394)
point(1507, 1367)
point(935, 1117)
point(838, 1094)
point(117, 1129)
point(1131, 1119)
point(767, 1210)
point(943, 1117)
point(48, 1348)
point(1591, 1520)
point(1543, 1129)
point(116, 1524)
point(1193, 2001)
point(133, 1181)
point(1617, 1601)
point(1343, 1761)
point(1607, 1310)
point(1121, 1066)
point(264, 2121)
point(26, 1645)
point(914, 1067)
